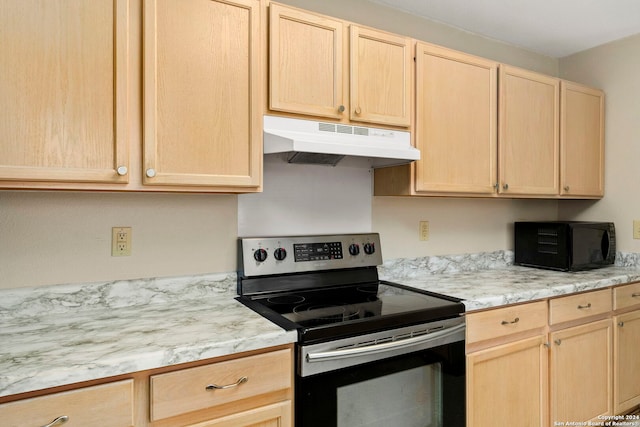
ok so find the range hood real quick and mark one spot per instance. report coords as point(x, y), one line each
point(312, 142)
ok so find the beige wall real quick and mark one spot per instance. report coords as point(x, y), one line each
point(49, 238)
point(456, 226)
point(61, 237)
point(615, 68)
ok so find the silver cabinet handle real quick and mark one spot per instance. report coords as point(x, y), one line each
point(547, 345)
point(496, 186)
point(341, 109)
point(60, 420)
point(223, 387)
point(558, 342)
point(151, 173)
point(505, 186)
point(582, 307)
point(122, 170)
point(566, 188)
point(516, 320)
point(621, 324)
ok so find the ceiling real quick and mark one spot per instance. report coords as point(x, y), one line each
point(556, 28)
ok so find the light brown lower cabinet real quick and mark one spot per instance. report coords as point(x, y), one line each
point(581, 372)
point(552, 362)
point(106, 405)
point(253, 389)
point(626, 356)
point(276, 415)
point(237, 389)
point(507, 372)
point(507, 383)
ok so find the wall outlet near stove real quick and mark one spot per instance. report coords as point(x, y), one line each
point(121, 241)
point(423, 232)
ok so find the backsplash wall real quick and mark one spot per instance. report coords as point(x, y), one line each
point(61, 237)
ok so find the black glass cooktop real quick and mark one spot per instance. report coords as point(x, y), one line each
point(340, 311)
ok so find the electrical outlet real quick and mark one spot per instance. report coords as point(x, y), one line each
point(121, 241)
point(636, 228)
point(423, 232)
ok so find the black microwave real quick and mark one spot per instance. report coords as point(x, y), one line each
point(565, 245)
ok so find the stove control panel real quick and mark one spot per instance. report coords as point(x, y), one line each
point(293, 254)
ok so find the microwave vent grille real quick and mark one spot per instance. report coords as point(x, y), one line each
point(547, 241)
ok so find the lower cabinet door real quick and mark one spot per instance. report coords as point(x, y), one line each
point(626, 361)
point(276, 415)
point(580, 372)
point(507, 385)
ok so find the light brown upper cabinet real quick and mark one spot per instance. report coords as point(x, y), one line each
point(581, 141)
point(380, 84)
point(321, 66)
point(528, 133)
point(202, 89)
point(63, 110)
point(550, 133)
point(455, 130)
point(456, 122)
point(72, 71)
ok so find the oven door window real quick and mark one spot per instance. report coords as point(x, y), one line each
point(421, 389)
point(408, 398)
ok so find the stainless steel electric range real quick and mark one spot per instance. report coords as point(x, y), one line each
point(369, 352)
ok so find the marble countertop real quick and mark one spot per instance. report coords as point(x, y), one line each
point(480, 289)
point(65, 334)
point(51, 338)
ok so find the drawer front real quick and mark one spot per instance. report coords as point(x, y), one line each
point(505, 321)
point(626, 296)
point(575, 307)
point(108, 405)
point(187, 390)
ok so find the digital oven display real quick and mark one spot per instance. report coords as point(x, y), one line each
point(317, 251)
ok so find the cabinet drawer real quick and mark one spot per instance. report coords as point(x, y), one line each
point(108, 405)
point(579, 306)
point(506, 321)
point(626, 296)
point(188, 390)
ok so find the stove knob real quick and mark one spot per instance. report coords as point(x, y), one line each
point(260, 255)
point(280, 254)
point(354, 249)
point(369, 248)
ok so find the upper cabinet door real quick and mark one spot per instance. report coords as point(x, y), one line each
point(456, 121)
point(581, 141)
point(305, 63)
point(202, 93)
point(63, 109)
point(380, 83)
point(528, 133)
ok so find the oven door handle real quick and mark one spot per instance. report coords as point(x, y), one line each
point(387, 346)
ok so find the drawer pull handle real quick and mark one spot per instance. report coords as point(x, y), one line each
point(516, 320)
point(581, 307)
point(636, 295)
point(223, 387)
point(558, 342)
point(621, 324)
point(60, 420)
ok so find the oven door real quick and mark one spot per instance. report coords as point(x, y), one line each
point(420, 388)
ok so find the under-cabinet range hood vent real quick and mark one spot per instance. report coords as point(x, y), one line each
point(311, 142)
